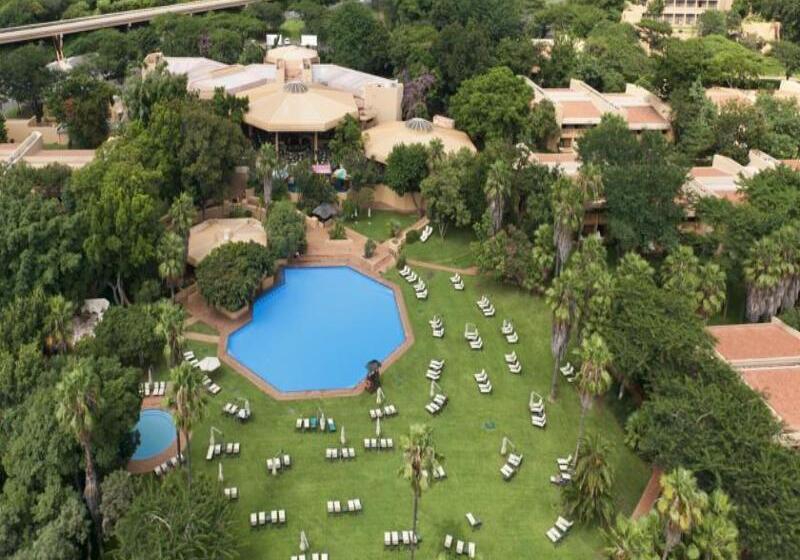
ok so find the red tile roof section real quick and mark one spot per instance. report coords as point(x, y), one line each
point(781, 387)
point(760, 341)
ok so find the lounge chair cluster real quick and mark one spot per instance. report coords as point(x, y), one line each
point(210, 386)
point(420, 288)
point(511, 467)
point(232, 493)
point(473, 337)
point(166, 466)
point(437, 326)
point(508, 331)
point(436, 405)
point(385, 412)
point(484, 383)
point(275, 517)
point(457, 281)
point(486, 306)
point(564, 475)
point(459, 546)
point(427, 231)
point(536, 407)
point(408, 274)
point(312, 556)
point(231, 409)
point(154, 389)
point(219, 448)
point(378, 444)
point(333, 453)
point(313, 424)
point(513, 363)
point(281, 462)
point(568, 371)
point(438, 472)
point(473, 521)
point(559, 530)
point(399, 538)
point(435, 369)
point(350, 506)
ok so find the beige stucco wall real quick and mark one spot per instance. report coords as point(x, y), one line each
point(387, 102)
point(19, 129)
point(387, 199)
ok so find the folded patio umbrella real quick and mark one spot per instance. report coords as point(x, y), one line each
point(325, 211)
point(342, 439)
point(209, 364)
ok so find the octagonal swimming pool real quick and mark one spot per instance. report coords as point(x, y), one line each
point(318, 328)
point(156, 432)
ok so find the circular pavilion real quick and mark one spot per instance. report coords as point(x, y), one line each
point(380, 140)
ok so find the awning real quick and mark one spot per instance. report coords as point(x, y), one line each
point(325, 211)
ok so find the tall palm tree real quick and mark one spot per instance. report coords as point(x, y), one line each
point(182, 214)
point(169, 326)
point(188, 398)
point(717, 537)
point(567, 200)
point(58, 323)
point(560, 297)
point(680, 506)
point(590, 182)
point(711, 292)
point(631, 539)
point(497, 186)
point(593, 378)
point(171, 255)
point(78, 405)
point(589, 498)
point(419, 461)
point(763, 269)
point(633, 267)
point(680, 271)
point(266, 164)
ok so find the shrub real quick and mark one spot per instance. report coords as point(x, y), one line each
point(239, 212)
point(349, 209)
point(286, 230)
point(394, 228)
point(401, 260)
point(412, 236)
point(337, 231)
point(369, 249)
point(229, 277)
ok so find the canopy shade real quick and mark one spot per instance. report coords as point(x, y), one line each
point(380, 140)
point(209, 364)
point(208, 235)
point(325, 211)
point(297, 107)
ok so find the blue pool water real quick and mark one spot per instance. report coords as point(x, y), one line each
point(157, 432)
point(318, 329)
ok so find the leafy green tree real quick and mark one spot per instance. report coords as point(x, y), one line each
point(590, 498)
point(171, 259)
point(128, 333)
point(358, 39)
point(712, 22)
point(461, 52)
point(693, 120)
point(229, 106)
point(419, 462)
point(441, 190)
point(266, 165)
point(170, 318)
point(680, 64)
point(24, 76)
point(117, 495)
point(542, 130)
point(717, 536)
point(738, 129)
point(406, 168)
point(286, 230)
point(59, 322)
point(346, 143)
point(142, 93)
point(782, 117)
point(789, 55)
point(517, 54)
point(762, 271)
point(680, 505)
point(230, 276)
point(188, 397)
point(410, 48)
point(560, 64)
point(268, 12)
point(613, 49)
point(630, 539)
point(494, 105)
point(3, 131)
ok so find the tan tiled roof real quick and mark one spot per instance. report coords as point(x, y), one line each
point(644, 115)
point(793, 163)
point(759, 341)
point(781, 388)
point(579, 110)
point(707, 172)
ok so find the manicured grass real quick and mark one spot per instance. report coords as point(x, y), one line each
point(468, 434)
point(453, 250)
point(377, 226)
point(202, 328)
point(293, 28)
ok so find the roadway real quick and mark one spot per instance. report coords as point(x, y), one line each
point(118, 19)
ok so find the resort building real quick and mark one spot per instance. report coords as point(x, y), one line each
point(580, 107)
point(32, 152)
point(380, 140)
point(767, 355)
point(682, 15)
point(719, 96)
point(295, 101)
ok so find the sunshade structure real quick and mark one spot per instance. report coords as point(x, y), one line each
point(325, 211)
point(292, 54)
point(209, 364)
point(379, 141)
point(208, 235)
point(297, 107)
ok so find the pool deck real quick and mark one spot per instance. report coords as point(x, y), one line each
point(198, 308)
point(145, 466)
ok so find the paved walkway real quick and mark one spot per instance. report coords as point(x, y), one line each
point(200, 337)
point(649, 496)
point(471, 271)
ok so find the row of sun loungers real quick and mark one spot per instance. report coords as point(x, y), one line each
point(568, 371)
point(277, 463)
point(437, 326)
point(427, 231)
point(484, 383)
point(408, 274)
point(435, 368)
point(314, 424)
point(457, 281)
point(238, 413)
point(473, 337)
point(313, 556)
point(275, 517)
point(559, 530)
point(378, 444)
point(511, 467)
point(210, 386)
point(508, 331)
point(459, 547)
point(486, 307)
point(350, 506)
point(386, 411)
point(538, 415)
point(420, 289)
point(564, 475)
point(218, 449)
point(343, 453)
point(154, 389)
point(400, 538)
point(166, 466)
point(437, 404)
point(232, 493)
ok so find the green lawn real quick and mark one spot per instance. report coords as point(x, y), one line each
point(377, 227)
point(467, 433)
point(202, 328)
point(453, 250)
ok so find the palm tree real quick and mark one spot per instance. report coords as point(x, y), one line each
point(567, 200)
point(169, 326)
point(680, 272)
point(78, 405)
point(497, 186)
point(266, 164)
point(187, 396)
point(711, 292)
point(716, 538)
point(633, 267)
point(763, 269)
point(182, 214)
point(58, 323)
point(680, 506)
point(631, 539)
point(590, 182)
point(419, 461)
point(171, 255)
point(593, 378)
point(589, 497)
point(560, 297)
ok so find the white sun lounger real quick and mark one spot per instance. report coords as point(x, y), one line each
point(507, 471)
point(472, 520)
point(563, 524)
point(422, 295)
point(433, 376)
point(512, 338)
point(459, 286)
point(489, 311)
point(481, 376)
point(455, 278)
point(448, 541)
point(514, 460)
point(436, 364)
point(485, 388)
point(515, 368)
point(564, 461)
point(438, 333)
point(476, 344)
point(554, 535)
point(539, 421)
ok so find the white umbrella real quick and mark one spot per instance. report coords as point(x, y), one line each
point(149, 376)
point(379, 396)
point(532, 399)
point(220, 476)
point(322, 423)
point(434, 386)
point(378, 428)
point(342, 438)
point(274, 468)
point(504, 446)
point(209, 364)
point(303, 542)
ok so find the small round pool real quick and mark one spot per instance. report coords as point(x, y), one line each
point(156, 431)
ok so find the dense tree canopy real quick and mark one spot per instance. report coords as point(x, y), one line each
point(230, 276)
